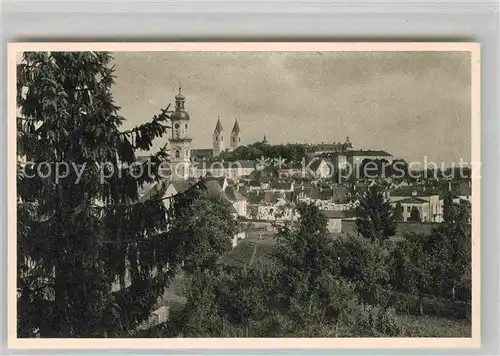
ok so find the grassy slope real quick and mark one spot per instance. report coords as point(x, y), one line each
point(430, 326)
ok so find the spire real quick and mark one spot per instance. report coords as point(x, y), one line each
point(265, 139)
point(236, 127)
point(218, 127)
point(179, 100)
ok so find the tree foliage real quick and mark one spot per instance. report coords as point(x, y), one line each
point(415, 214)
point(375, 215)
point(201, 229)
point(79, 234)
point(255, 151)
point(398, 212)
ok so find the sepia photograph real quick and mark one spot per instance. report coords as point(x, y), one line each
point(251, 191)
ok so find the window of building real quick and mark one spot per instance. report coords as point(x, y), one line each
point(177, 125)
point(222, 138)
point(186, 126)
point(177, 154)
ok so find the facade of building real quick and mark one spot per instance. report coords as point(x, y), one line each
point(333, 147)
point(423, 207)
point(429, 204)
point(179, 142)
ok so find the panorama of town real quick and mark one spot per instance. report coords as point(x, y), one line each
point(240, 239)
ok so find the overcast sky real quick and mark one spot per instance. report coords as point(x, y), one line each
point(408, 103)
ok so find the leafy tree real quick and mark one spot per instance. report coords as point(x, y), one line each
point(304, 255)
point(365, 263)
point(415, 215)
point(201, 316)
point(448, 207)
point(412, 265)
point(243, 297)
point(201, 229)
point(455, 234)
point(79, 234)
point(398, 212)
point(375, 215)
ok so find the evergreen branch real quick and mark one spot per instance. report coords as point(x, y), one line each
point(156, 200)
point(156, 120)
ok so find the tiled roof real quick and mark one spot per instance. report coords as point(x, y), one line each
point(254, 198)
point(233, 195)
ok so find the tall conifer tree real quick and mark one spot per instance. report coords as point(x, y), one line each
point(79, 234)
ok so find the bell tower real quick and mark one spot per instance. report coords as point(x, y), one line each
point(218, 139)
point(179, 142)
point(235, 138)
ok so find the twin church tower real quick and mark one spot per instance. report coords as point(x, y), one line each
point(180, 143)
point(218, 138)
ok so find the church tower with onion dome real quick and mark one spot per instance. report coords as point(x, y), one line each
point(180, 143)
point(218, 139)
point(235, 138)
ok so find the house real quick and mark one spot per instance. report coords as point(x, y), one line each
point(271, 206)
point(237, 200)
point(407, 204)
point(431, 209)
point(335, 218)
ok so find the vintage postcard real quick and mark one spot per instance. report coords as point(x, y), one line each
point(244, 195)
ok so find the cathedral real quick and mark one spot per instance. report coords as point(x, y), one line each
point(182, 156)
